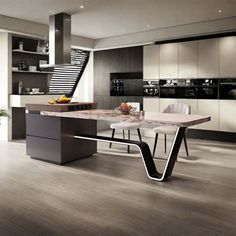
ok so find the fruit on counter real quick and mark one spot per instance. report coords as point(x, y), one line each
point(52, 102)
point(62, 99)
point(125, 106)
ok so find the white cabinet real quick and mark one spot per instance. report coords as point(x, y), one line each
point(228, 57)
point(169, 60)
point(151, 104)
point(208, 58)
point(228, 115)
point(151, 62)
point(188, 59)
point(164, 102)
point(210, 108)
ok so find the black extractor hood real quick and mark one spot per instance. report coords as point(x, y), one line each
point(60, 39)
point(67, 64)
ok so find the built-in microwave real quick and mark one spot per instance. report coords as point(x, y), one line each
point(151, 88)
point(228, 89)
point(126, 84)
point(208, 89)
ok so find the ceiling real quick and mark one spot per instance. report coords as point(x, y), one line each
point(106, 18)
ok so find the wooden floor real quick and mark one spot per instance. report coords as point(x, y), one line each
point(111, 194)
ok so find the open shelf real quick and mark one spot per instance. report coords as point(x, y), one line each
point(34, 72)
point(29, 52)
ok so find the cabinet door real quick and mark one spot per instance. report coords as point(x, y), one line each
point(151, 104)
point(193, 106)
point(188, 60)
point(228, 115)
point(208, 58)
point(169, 60)
point(210, 108)
point(227, 57)
point(164, 102)
point(151, 62)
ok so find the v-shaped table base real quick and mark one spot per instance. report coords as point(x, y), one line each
point(145, 152)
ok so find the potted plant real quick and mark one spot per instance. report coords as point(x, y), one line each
point(3, 113)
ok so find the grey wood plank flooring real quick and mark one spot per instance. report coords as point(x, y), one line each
point(110, 194)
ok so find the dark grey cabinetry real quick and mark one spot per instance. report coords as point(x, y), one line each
point(52, 138)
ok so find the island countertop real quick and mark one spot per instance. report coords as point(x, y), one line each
point(148, 118)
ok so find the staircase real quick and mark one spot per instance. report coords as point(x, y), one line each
point(66, 77)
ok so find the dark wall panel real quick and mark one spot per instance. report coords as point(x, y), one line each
point(112, 61)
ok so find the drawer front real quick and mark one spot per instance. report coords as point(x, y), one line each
point(44, 149)
point(40, 126)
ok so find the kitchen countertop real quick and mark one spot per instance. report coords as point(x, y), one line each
point(60, 107)
point(149, 117)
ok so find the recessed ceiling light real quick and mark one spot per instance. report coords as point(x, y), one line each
point(81, 6)
point(220, 11)
point(148, 26)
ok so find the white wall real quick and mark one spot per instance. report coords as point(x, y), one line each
point(84, 90)
point(5, 83)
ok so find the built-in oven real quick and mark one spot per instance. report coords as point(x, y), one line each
point(228, 89)
point(208, 89)
point(151, 88)
point(187, 91)
point(126, 84)
point(168, 89)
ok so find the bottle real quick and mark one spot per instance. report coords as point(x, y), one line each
point(20, 87)
point(21, 46)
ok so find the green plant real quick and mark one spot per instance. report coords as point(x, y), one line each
point(3, 113)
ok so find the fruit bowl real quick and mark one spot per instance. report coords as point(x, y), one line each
point(124, 108)
point(62, 99)
point(123, 111)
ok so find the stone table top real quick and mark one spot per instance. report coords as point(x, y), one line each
point(181, 120)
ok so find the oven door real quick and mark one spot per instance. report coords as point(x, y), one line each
point(208, 92)
point(228, 90)
point(168, 92)
point(187, 92)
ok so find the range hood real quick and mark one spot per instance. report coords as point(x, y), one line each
point(59, 40)
point(66, 64)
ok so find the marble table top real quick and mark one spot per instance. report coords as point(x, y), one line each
point(148, 118)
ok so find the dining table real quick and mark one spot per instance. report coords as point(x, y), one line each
point(181, 121)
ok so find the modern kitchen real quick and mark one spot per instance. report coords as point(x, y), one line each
point(117, 118)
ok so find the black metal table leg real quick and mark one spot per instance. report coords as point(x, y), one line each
point(145, 152)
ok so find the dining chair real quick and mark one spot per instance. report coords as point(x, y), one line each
point(127, 125)
point(177, 108)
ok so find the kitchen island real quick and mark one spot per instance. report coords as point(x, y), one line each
point(75, 134)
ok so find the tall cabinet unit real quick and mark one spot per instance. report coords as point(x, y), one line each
point(210, 108)
point(227, 115)
point(169, 61)
point(151, 104)
point(151, 57)
point(228, 57)
point(208, 58)
point(188, 60)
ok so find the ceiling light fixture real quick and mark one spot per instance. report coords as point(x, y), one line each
point(220, 11)
point(148, 26)
point(81, 6)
